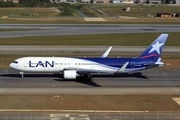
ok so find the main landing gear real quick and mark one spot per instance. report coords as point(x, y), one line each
point(21, 74)
point(89, 77)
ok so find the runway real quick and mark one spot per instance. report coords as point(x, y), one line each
point(154, 81)
point(82, 29)
point(81, 50)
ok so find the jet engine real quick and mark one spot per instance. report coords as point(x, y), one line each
point(70, 74)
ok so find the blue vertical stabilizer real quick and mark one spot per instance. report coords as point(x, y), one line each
point(154, 50)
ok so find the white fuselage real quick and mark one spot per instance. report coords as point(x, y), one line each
point(56, 64)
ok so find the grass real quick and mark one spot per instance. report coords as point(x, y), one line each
point(137, 10)
point(90, 102)
point(140, 39)
point(72, 20)
point(6, 59)
point(173, 64)
point(69, 10)
point(88, 11)
point(111, 9)
point(18, 11)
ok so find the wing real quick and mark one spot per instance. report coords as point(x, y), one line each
point(85, 71)
point(121, 70)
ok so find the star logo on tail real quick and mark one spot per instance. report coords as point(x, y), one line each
point(156, 47)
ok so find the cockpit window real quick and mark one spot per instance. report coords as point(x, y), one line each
point(16, 62)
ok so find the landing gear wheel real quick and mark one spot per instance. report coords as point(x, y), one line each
point(89, 77)
point(22, 74)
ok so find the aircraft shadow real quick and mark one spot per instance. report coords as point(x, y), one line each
point(31, 75)
point(137, 75)
point(82, 79)
point(123, 75)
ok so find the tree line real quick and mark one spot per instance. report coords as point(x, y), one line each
point(35, 3)
point(7, 4)
point(28, 3)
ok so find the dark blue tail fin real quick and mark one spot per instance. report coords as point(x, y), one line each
point(154, 50)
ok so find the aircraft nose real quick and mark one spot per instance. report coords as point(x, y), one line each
point(11, 65)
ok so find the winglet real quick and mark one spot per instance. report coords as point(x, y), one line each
point(106, 53)
point(123, 67)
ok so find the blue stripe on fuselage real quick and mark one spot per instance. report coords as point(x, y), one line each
point(117, 62)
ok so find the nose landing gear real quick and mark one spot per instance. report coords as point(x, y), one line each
point(21, 74)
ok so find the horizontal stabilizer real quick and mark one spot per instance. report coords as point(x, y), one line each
point(123, 67)
point(106, 53)
point(156, 64)
point(152, 65)
point(159, 62)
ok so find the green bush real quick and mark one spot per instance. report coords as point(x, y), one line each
point(7, 4)
point(68, 9)
point(67, 12)
point(35, 3)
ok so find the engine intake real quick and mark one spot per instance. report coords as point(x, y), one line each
point(70, 74)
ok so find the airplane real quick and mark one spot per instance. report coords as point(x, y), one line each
point(73, 67)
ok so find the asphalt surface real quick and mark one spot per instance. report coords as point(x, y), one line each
point(81, 50)
point(82, 14)
point(83, 29)
point(153, 81)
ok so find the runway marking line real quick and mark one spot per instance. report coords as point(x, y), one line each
point(94, 19)
point(65, 111)
point(177, 100)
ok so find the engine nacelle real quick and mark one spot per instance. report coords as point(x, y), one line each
point(70, 74)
